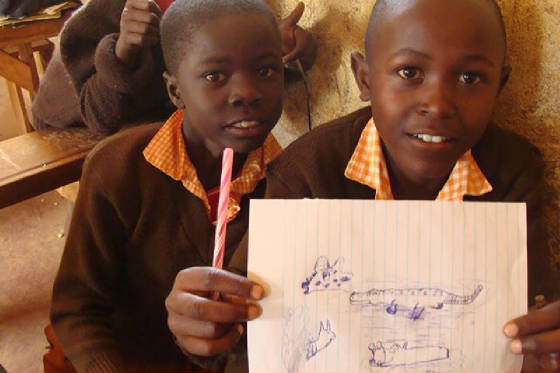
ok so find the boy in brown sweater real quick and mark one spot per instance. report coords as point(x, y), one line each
point(107, 71)
point(432, 72)
point(147, 203)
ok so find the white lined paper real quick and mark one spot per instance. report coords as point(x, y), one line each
point(397, 245)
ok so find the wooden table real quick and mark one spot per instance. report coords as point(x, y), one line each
point(40, 161)
point(17, 64)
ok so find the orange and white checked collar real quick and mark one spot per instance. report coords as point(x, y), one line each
point(367, 166)
point(167, 152)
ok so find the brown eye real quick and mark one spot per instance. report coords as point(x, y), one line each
point(265, 72)
point(469, 78)
point(409, 73)
point(215, 77)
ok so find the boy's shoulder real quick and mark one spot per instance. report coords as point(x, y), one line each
point(506, 158)
point(331, 144)
point(121, 151)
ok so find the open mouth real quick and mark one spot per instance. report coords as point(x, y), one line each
point(247, 128)
point(434, 139)
point(245, 124)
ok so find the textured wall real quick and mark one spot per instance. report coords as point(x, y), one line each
point(530, 105)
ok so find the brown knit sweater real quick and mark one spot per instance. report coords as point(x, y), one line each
point(85, 83)
point(313, 167)
point(133, 229)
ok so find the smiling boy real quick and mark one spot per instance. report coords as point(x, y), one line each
point(432, 73)
point(148, 197)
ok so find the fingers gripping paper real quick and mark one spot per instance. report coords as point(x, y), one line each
point(381, 286)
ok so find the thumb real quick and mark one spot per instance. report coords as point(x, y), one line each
point(295, 15)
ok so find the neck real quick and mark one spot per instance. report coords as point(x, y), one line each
point(406, 188)
point(208, 163)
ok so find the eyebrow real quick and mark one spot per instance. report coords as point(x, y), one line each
point(226, 60)
point(478, 58)
point(216, 60)
point(469, 58)
point(267, 54)
point(408, 51)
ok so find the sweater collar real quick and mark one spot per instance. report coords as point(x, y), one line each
point(167, 152)
point(367, 166)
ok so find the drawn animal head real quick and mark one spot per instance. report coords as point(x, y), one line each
point(326, 276)
point(379, 356)
point(383, 355)
point(327, 328)
point(326, 335)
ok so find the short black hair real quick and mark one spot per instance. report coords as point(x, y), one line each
point(184, 17)
point(382, 7)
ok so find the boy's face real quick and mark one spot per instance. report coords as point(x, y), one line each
point(230, 82)
point(433, 73)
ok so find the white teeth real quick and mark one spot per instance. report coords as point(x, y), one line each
point(246, 124)
point(426, 138)
point(429, 138)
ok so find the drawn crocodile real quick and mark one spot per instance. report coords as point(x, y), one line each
point(412, 299)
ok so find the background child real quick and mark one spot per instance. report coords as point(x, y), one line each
point(432, 73)
point(108, 67)
point(147, 201)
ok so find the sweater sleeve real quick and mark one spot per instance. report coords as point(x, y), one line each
point(84, 293)
point(114, 93)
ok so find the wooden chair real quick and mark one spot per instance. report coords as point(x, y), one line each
point(24, 53)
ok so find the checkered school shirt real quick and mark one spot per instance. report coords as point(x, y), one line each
point(167, 152)
point(367, 166)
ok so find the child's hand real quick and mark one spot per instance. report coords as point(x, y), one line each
point(537, 333)
point(203, 326)
point(297, 43)
point(139, 29)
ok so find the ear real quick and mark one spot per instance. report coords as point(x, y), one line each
point(173, 90)
point(361, 75)
point(506, 71)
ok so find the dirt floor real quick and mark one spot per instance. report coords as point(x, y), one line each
point(31, 243)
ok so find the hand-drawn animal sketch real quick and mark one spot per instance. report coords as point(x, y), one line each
point(414, 300)
point(326, 276)
point(400, 354)
point(323, 340)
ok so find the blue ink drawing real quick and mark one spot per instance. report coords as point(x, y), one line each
point(326, 276)
point(412, 300)
point(323, 340)
point(397, 354)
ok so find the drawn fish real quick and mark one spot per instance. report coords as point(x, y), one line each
point(412, 299)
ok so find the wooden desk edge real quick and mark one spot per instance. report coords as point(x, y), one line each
point(42, 179)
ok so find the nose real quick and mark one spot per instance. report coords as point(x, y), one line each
point(438, 101)
point(244, 91)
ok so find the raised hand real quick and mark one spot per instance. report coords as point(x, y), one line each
point(139, 29)
point(297, 43)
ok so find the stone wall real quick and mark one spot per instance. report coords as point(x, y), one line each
point(530, 104)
